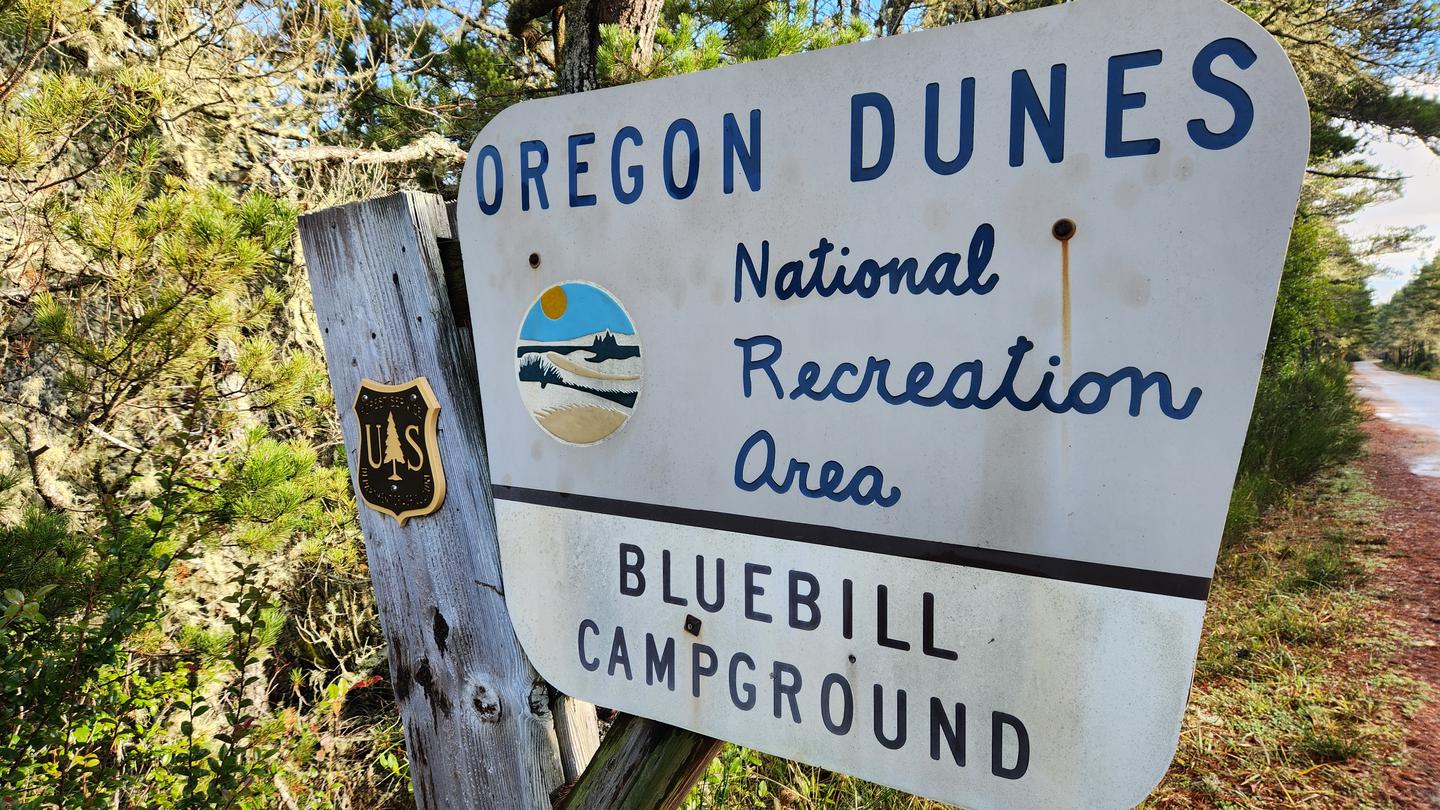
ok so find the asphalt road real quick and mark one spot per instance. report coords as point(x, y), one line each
point(1407, 400)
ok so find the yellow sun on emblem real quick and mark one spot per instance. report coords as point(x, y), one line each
point(552, 303)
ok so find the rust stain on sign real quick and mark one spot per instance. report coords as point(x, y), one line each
point(1064, 230)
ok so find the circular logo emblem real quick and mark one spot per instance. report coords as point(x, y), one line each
point(578, 362)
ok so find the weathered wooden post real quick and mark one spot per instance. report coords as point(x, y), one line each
point(477, 717)
point(482, 729)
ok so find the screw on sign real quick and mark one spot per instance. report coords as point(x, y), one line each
point(881, 490)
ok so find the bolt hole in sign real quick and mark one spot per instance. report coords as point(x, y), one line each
point(878, 407)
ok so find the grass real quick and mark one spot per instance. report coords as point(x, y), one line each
point(1296, 701)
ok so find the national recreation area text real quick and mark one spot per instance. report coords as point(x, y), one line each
point(963, 385)
point(561, 174)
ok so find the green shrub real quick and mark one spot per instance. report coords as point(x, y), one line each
point(1306, 420)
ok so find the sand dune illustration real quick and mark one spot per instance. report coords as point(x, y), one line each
point(580, 424)
point(564, 363)
point(537, 368)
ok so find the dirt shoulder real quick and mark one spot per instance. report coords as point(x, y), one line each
point(1411, 582)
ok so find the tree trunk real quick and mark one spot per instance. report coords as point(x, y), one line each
point(639, 17)
point(582, 41)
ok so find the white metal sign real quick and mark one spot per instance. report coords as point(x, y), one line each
point(879, 407)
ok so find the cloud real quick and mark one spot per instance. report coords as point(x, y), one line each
point(1418, 207)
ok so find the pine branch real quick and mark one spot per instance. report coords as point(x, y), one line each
point(1357, 175)
point(427, 147)
point(471, 20)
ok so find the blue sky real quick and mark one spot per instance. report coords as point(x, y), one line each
point(588, 310)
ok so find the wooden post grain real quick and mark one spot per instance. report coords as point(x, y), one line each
point(478, 725)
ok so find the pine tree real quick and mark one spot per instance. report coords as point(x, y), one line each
point(1408, 326)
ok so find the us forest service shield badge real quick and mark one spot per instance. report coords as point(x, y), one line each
point(398, 471)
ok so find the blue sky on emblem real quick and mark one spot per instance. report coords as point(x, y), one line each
point(583, 309)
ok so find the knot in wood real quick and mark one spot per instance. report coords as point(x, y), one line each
point(486, 703)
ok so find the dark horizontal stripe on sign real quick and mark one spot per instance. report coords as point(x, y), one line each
point(1010, 562)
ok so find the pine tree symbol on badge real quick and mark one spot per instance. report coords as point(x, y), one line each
point(397, 468)
point(393, 453)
